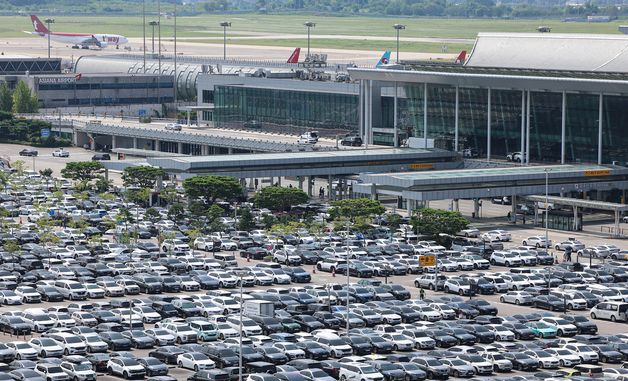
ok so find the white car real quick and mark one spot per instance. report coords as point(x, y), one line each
point(357, 371)
point(125, 367)
point(60, 153)
point(93, 291)
point(173, 127)
point(613, 311)
point(504, 258)
point(23, 350)
point(497, 235)
point(225, 331)
point(46, 347)
point(563, 327)
point(565, 356)
point(161, 336)
point(175, 245)
point(195, 361)
point(39, 322)
point(62, 319)
point(428, 313)
point(28, 294)
point(291, 350)
point(616, 373)
point(470, 232)
point(501, 333)
point(446, 312)
point(111, 288)
point(586, 354)
point(400, 342)
point(146, 313)
point(9, 297)
point(249, 327)
point(94, 344)
point(546, 360)
point(537, 241)
point(517, 297)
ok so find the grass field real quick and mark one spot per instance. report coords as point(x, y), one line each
point(253, 24)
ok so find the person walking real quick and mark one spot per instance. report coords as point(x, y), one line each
point(422, 294)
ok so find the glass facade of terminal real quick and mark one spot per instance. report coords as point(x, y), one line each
point(581, 127)
point(236, 105)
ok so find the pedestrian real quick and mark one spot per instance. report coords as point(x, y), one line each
point(509, 216)
point(422, 294)
point(524, 218)
point(569, 255)
point(256, 183)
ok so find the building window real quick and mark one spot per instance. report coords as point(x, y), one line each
point(208, 96)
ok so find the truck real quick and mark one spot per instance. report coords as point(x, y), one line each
point(259, 308)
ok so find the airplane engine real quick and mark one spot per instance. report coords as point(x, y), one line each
point(102, 44)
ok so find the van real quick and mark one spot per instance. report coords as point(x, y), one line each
point(613, 311)
point(71, 290)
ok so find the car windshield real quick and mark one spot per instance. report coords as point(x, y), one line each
point(82, 367)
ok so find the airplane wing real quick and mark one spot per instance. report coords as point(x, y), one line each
point(92, 40)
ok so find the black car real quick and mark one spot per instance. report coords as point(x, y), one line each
point(268, 324)
point(28, 152)
point(442, 339)
point(313, 350)
point(549, 302)
point(249, 354)
point(308, 257)
point(256, 253)
point(167, 354)
point(521, 361)
point(390, 371)
point(223, 357)
point(481, 333)
point(209, 375)
point(98, 361)
point(101, 156)
point(308, 323)
point(153, 366)
point(273, 355)
point(464, 309)
point(297, 274)
point(328, 319)
point(49, 294)
point(484, 307)
point(360, 344)
point(408, 315)
point(139, 339)
point(379, 344)
point(397, 290)
point(14, 325)
point(521, 331)
point(463, 337)
point(115, 341)
point(584, 325)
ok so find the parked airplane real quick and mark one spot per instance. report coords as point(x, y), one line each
point(79, 40)
point(385, 60)
point(294, 57)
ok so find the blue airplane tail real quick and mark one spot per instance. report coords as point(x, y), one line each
point(385, 60)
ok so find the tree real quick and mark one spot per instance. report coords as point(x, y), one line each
point(82, 170)
point(23, 100)
point(356, 207)
point(46, 172)
point(394, 220)
point(435, 221)
point(19, 166)
point(102, 184)
point(6, 98)
point(210, 188)
point(152, 215)
point(280, 198)
point(176, 212)
point(138, 196)
point(143, 176)
point(246, 222)
point(215, 212)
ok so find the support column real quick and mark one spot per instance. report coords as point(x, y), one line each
point(230, 151)
point(369, 107)
point(575, 218)
point(456, 120)
point(251, 183)
point(156, 142)
point(395, 127)
point(180, 147)
point(488, 126)
point(457, 205)
point(527, 148)
point(476, 208)
point(599, 130)
point(408, 207)
point(113, 141)
point(616, 230)
point(279, 180)
point(106, 174)
point(135, 143)
point(188, 114)
point(272, 181)
point(513, 209)
point(362, 121)
point(329, 187)
point(563, 128)
point(309, 185)
point(523, 125)
point(425, 114)
point(301, 182)
point(536, 213)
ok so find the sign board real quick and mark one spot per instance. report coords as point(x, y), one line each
point(55, 80)
point(597, 172)
point(45, 132)
point(427, 260)
point(421, 166)
point(141, 112)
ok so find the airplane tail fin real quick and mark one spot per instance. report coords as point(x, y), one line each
point(462, 57)
point(294, 57)
point(385, 60)
point(39, 26)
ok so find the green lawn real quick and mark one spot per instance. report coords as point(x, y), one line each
point(207, 25)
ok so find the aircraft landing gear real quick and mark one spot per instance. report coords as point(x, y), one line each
point(75, 47)
point(84, 47)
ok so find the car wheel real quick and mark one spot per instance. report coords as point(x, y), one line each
point(502, 300)
point(613, 318)
point(44, 354)
point(517, 302)
point(460, 292)
point(416, 284)
point(446, 289)
point(196, 368)
point(125, 375)
point(559, 332)
point(343, 378)
point(431, 287)
point(456, 374)
point(507, 264)
point(178, 340)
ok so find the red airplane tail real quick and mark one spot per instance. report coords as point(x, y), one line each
point(462, 57)
point(39, 26)
point(294, 57)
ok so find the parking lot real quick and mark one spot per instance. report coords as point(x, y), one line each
point(493, 307)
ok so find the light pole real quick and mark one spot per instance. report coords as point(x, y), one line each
point(547, 171)
point(398, 27)
point(240, 274)
point(309, 26)
point(224, 25)
point(48, 22)
point(153, 24)
point(348, 277)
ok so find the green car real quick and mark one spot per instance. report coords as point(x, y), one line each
point(542, 330)
point(205, 331)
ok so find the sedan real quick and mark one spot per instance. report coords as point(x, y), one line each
point(517, 297)
point(549, 302)
point(60, 153)
point(28, 152)
point(195, 361)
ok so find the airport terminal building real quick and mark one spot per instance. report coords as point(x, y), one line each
point(559, 98)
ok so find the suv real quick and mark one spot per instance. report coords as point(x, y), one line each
point(282, 256)
point(356, 371)
point(353, 141)
point(430, 281)
point(504, 258)
point(51, 372)
point(101, 156)
point(173, 127)
point(330, 264)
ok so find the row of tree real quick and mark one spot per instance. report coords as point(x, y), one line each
point(19, 100)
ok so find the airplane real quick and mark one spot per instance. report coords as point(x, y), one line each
point(385, 60)
point(80, 40)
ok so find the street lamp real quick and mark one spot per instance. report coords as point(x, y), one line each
point(309, 26)
point(547, 171)
point(348, 276)
point(48, 22)
point(398, 27)
point(224, 25)
point(240, 274)
point(153, 24)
